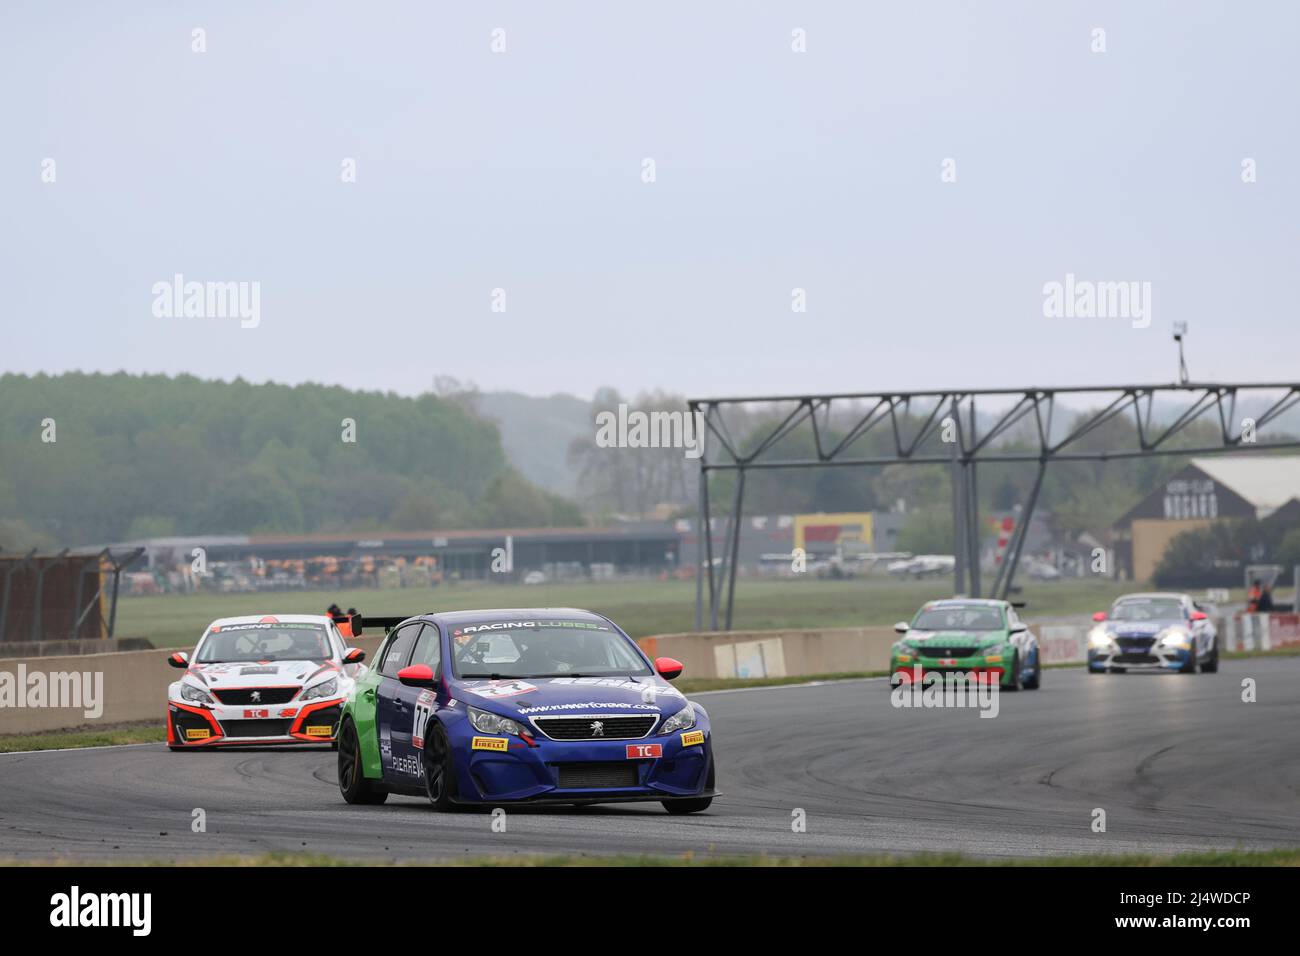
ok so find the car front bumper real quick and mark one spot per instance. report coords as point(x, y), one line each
point(1164, 657)
point(983, 670)
point(194, 725)
point(505, 769)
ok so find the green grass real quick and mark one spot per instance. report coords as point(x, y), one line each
point(99, 737)
point(1225, 858)
point(643, 608)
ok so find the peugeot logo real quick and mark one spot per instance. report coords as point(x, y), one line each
point(256, 696)
point(598, 728)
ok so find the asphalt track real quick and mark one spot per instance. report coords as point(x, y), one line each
point(1177, 763)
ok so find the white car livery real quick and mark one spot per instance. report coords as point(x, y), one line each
point(262, 679)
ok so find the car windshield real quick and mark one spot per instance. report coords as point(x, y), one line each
point(958, 619)
point(498, 649)
point(1153, 609)
point(264, 642)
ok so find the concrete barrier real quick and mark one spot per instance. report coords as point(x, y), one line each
point(780, 653)
point(134, 687)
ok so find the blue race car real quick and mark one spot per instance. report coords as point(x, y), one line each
point(1153, 632)
point(522, 706)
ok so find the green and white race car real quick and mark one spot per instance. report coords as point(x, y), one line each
point(982, 638)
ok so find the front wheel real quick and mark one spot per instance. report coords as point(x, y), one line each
point(1211, 664)
point(353, 783)
point(1033, 682)
point(439, 770)
point(681, 807)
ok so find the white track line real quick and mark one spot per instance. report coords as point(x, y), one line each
point(62, 750)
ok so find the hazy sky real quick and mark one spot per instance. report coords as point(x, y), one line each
point(522, 170)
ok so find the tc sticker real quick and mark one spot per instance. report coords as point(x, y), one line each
point(489, 743)
point(255, 714)
point(197, 733)
point(693, 738)
point(642, 751)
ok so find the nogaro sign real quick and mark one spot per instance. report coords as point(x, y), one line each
point(1191, 498)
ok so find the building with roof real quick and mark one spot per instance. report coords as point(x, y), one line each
point(1205, 491)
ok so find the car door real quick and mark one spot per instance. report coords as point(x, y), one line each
point(389, 706)
point(418, 703)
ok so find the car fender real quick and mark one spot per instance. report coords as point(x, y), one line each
point(360, 708)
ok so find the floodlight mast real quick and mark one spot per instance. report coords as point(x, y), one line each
point(918, 437)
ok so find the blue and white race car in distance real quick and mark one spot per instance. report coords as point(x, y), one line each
point(1153, 632)
point(503, 707)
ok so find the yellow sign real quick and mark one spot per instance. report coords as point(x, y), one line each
point(489, 743)
point(837, 528)
point(319, 731)
point(195, 733)
point(693, 738)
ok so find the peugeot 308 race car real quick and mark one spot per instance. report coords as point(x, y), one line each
point(967, 635)
point(522, 706)
point(1153, 632)
point(262, 679)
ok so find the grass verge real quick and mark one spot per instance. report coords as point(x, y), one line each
point(146, 733)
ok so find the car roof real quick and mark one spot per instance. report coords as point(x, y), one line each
point(1148, 595)
point(514, 614)
point(966, 602)
point(272, 619)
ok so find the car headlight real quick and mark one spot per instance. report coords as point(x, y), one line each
point(992, 650)
point(684, 719)
point(489, 723)
point(194, 694)
point(326, 689)
point(1175, 638)
point(1100, 638)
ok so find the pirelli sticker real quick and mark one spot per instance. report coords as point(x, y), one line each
point(321, 730)
point(197, 733)
point(489, 743)
point(692, 738)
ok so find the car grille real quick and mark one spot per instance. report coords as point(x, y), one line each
point(243, 696)
point(1135, 658)
point(927, 651)
point(596, 776)
point(585, 728)
point(1140, 644)
point(256, 728)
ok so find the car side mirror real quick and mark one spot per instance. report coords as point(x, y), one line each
point(354, 655)
point(179, 659)
point(1099, 616)
point(902, 627)
point(1200, 616)
point(417, 675)
point(668, 668)
point(1019, 628)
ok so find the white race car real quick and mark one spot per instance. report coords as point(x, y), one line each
point(262, 679)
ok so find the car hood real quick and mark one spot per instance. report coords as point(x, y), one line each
point(958, 638)
point(258, 674)
point(539, 696)
point(1144, 628)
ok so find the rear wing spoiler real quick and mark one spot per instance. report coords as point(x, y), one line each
point(1018, 604)
point(384, 624)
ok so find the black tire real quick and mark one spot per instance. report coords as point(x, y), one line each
point(353, 783)
point(1014, 684)
point(1211, 664)
point(1038, 672)
point(439, 772)
point(681, 807)
point(1190, 666)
